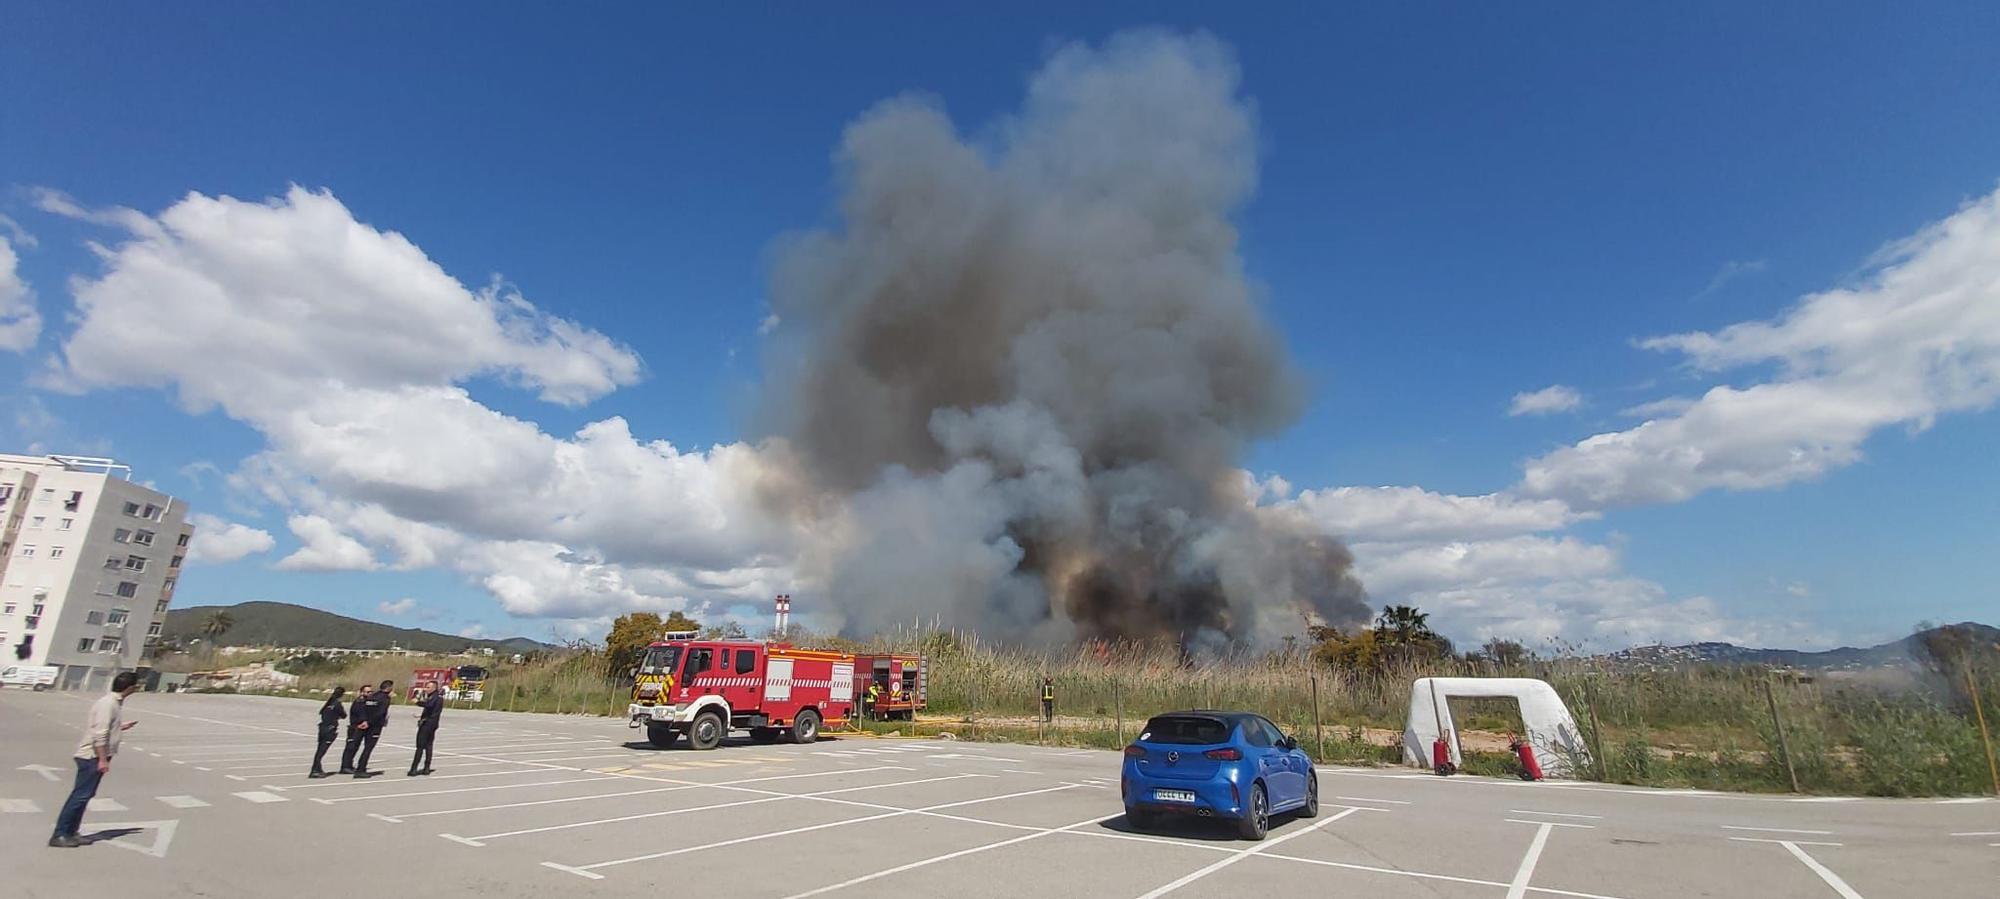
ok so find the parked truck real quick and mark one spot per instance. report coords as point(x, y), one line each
point(707, 688)
point(464, 682)
point(900, 685)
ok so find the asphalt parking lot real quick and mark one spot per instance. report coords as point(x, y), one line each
point(209, 798)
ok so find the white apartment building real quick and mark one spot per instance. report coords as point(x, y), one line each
point(88, 562)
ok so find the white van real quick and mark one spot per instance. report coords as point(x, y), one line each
point(40, 677)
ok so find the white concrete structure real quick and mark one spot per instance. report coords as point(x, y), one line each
point(1550, 728)
point(88, 562)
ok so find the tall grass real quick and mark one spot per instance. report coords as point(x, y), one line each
point(1705, 727)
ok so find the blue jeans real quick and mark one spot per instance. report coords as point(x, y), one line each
point(87, 778)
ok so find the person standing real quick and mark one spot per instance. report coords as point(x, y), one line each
point(357, 728)
point(378, 721)
point(330, 714)
point(874, 699)
point(93, 756)
point(428, 713)
point(1048, 699)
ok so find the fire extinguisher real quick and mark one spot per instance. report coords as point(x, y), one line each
point(1441, 758)
point(1530, 769)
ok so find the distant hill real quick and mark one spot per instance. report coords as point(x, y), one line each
point(1904, 653)
point(284, 624)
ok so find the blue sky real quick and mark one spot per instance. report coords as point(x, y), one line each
point(1453, 207)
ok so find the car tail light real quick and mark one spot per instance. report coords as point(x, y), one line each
point(1135, 752)
point(1224, 755)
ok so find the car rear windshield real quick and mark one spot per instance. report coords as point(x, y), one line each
point(1185, 729)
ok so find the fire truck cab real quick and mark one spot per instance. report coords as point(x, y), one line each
point(707, 688)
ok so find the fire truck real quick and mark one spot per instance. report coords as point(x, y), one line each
point(707, 688)
point(899, 681)
point(466, 682)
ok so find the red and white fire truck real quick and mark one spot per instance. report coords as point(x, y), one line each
point(466, 682)
point(899, 681)
point(706, 688)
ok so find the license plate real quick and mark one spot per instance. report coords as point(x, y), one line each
point(1173, 795)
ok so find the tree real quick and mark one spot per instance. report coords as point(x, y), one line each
point(217, 624)
point(679, 621)
point(1501, 653)
point(630, 634)
point(727, 630)
point(1404, 625)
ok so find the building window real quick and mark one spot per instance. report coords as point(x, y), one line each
point(143, 538)
point(110, 644)
point(154, 630)
point(55, 552)
point(38, 609)
point(48, 495)
point(85, 644)
point(160, 608)
point(27, 550)
point(122, 535)
point(33, 621)
point(65, 524)
point(9, 608)
point(135, 563)
point(131, 508)
point(118, 616)
point(75, 501)
point(94, 618)
point(167, 589)
point(6, 492)
point(176, 563)
point(128, 589)
point(151, 512)
point(113, 564)
point(38, 521)
point(184, 540)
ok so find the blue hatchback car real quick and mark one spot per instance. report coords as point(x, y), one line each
point(1232, 765)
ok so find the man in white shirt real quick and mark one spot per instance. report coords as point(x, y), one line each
point(93, 756)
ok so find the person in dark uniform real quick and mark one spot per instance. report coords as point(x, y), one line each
point(428, 713)
point(357, 728)
point(1048, 699)
point(330, 714)
point(378, 721)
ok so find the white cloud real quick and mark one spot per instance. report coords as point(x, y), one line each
point(1413, 513)
point(1730, 271)
point(399, 608)
point(217, 541)
point(1918, 338)
point(325, 548)
point(1546, 401)
point(20, 322)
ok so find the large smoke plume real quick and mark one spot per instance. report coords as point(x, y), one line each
point(1019, 373)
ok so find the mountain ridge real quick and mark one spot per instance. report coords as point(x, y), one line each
point(268, 623)
point(1905, 652)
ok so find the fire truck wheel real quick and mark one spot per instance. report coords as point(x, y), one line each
point(706, 731)
point(662, 736)
point(805, 728)
point(764, 734)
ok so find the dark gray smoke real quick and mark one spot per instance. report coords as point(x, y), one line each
point(1018, 376)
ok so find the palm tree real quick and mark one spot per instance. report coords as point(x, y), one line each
point(216, 624)
point(1404, 624)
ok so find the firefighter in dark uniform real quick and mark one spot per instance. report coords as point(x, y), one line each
point(357, 728)
point(1048, 699)
point(428, 712)
point(378, 721)
point(330, 714)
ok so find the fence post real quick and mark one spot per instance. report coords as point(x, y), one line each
point(1319, 735)
point(1596, 729)
point(513, 695)
point(1117, 710)
point(1992, 771)
point(1784, 746)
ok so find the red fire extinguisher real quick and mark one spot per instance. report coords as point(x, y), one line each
point(1530, 769)
point(1441, 758)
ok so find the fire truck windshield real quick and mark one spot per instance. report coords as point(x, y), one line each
point(661, 660)
point(471, 673)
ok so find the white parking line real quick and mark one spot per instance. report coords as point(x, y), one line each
point(19, 807)
point(949, 856)
point(1832, 879)
point(182, 801)
point(1978, 833)
point(260, 797)
point(774, 797)
point(1526, 872)
point(1256, 850)
point(488, 808)
point(1526, 811)
point(101, 804)
point(1817, 833)
point(1384, 801)
point(544, 783)
point(590, 870)
point(348, 782)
